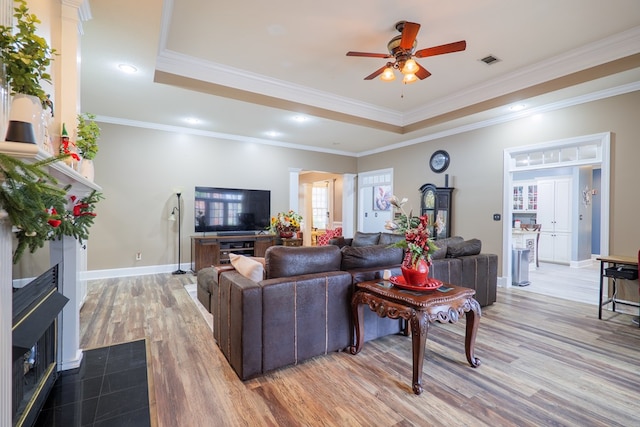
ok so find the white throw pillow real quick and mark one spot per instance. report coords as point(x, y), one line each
point(249, 268)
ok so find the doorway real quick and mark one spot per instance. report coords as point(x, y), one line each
point(588, 150)
point(375, 189)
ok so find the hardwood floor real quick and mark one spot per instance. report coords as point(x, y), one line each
point(545, 361)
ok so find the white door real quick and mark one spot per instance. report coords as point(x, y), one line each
point(562, 211)
point(546, 206)
point(374, 209)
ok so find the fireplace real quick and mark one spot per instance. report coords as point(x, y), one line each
point(34, 345)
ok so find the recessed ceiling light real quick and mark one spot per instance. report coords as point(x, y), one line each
point(300, 118)
point(272, 133)
point(517, 107)
point(127, 68)
point(192, 120)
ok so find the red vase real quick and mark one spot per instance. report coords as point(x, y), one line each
point(286, 234)
point(416, 276)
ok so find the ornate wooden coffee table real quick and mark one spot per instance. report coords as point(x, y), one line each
point(419, 308)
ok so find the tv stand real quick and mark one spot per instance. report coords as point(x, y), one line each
point(214, 250)
point(234, 233)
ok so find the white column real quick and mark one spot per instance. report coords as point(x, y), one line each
point(67, 251)
point(6, 319)
point(294, 188)
point(348, 204)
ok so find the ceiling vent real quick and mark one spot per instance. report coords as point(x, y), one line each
point(490, 59)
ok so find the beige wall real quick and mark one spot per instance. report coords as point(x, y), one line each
point(476, 169)
point(138, 169)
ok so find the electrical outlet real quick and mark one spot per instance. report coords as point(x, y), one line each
point(138, 256)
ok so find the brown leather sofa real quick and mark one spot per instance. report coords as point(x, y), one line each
point(458, 261)
point(300, 310)
point(302, 307)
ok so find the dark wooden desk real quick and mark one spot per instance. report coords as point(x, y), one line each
point(613, 261)
point(419, 309)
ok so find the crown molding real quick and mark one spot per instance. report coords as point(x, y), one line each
point(613, 48)
point(619, 90)
point(601, 52)
point(217, 135)
point(218, 74)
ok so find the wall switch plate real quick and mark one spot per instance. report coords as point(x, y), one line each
point(496, 217)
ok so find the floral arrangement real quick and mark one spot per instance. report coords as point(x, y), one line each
point(417, 240)
point(285, 221)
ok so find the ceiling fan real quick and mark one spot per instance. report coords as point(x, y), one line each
point(402, 50)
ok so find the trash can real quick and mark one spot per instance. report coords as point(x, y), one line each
point(520, 267)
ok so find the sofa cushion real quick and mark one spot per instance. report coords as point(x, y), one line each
point(465, 248)
point(288, 261)
point(442, 244)
point(248, 267)
point(339, 241)
point(390, 238)
point(365, 239)
point(370, 256)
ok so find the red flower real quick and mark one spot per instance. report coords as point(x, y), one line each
point(54, 222)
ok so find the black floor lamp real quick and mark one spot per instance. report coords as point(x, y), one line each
point(172, 217)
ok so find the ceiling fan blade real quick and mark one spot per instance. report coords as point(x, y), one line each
point(442, 49)
point(376, 73)
point(369, 55)
point(422, 72)
point(409, 34)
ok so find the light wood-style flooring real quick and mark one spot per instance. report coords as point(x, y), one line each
point(545, 361)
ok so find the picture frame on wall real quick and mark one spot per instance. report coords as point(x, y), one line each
point(382, 198)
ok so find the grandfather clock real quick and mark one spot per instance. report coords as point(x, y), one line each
point(436, 204)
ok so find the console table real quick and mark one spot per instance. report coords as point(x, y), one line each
point(214, 250)
point(614, 272)
point(420, 309)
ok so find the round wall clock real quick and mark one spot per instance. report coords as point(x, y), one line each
point(439, 161)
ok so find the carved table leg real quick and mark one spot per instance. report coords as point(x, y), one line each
point(419, 329)
point(473, 321)
point(358, 323)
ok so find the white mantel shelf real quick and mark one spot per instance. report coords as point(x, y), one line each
point(60, 171)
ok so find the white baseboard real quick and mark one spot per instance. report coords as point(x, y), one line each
point(131, 271)
point(504, 282)
point(113, 273)
point(581, 264)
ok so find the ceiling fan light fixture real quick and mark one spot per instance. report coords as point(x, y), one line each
point(410, 67)
point(388, 75)
point(409, 78)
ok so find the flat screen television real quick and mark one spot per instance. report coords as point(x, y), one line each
point(231, 210)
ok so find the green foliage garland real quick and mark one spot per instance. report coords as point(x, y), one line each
point(37, 207)
point(25, 195)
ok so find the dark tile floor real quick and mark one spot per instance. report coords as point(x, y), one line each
point(110, 388)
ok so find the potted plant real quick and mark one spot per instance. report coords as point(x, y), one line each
point(87, 134)
point(26, 56)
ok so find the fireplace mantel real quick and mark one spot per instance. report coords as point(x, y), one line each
point(68, 250)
